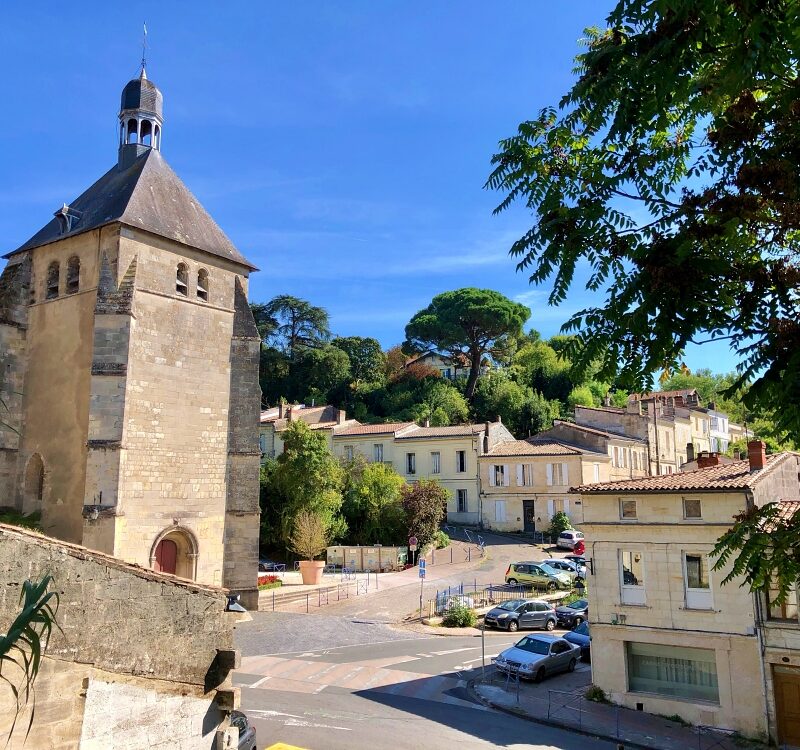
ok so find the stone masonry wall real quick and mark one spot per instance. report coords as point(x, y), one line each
point(131, 644)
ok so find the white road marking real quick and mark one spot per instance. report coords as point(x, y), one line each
point(291, 720)
point(259, 683)
point(320, 689)
point(455, 650)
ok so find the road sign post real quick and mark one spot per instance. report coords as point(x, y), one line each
point(412, 547)
point(422, 571)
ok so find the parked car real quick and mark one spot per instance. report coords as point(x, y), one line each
point(573, 614)
point(569, 538)
point(459, 600)
point(247, 732)
point(537, 574)
point(537, 656)
point(270, 566)
point(577, 559)
point(580, 637)
point(522, 614)
point(573, 570)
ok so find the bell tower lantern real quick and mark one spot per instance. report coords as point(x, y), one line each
point(140, 119)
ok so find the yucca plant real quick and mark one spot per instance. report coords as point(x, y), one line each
point(26, 640)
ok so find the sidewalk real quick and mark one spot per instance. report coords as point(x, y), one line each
point(560, 702)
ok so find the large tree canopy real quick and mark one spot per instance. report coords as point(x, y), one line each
point(670, 169)
point(467, 323)
point(292, 324)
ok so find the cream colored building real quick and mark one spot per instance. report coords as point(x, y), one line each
point(447, 454)
point(275, 421)
point(130, 359)
point(525, 482)
point(667, 636)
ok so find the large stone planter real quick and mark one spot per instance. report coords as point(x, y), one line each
point(311, 570)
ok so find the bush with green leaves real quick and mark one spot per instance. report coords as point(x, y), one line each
point(441, 540)
point(459, 615)
point(558, 523)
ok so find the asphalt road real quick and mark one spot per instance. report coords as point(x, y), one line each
point(381, 692)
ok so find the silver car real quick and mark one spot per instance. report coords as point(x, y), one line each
point(571, 568)
point(537, 656)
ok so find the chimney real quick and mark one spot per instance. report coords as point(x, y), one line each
point(486, 446)
point(341, 416)
point(289, 413)
point(707, 459)
point(499, 420)
point(712, 405)
point(281, 409)
point(427, 422)
point(757, 454)
point(607, 400)
point(689, 452)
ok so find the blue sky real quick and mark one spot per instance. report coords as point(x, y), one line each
point(342, 146)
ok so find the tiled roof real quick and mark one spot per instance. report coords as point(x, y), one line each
point(787, 509)
point(734, 476)
point(525, 448)
point(374, 429)
point(595, 431)
point(665, 394)
point(461, 430)
point(611, 409)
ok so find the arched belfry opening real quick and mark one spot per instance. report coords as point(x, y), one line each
point(174, 551)
point(140, 119)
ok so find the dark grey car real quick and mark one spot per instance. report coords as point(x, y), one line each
point(247, 732)
point(522, 614)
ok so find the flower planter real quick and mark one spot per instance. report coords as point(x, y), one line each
point(311, 570)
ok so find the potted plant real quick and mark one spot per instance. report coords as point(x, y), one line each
point(309, 539)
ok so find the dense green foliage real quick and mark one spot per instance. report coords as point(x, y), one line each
point(670, 170)
point(459, 615)
point(468, 324)
point(425, 504)
point(13, 517)
point(372, 504)
point(558, 523)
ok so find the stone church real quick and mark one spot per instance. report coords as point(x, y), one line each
point(129, 371)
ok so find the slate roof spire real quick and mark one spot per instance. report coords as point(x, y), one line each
point(141, 119)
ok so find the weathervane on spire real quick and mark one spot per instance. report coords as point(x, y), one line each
point(144, 47)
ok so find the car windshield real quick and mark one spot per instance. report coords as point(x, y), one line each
point(582, 629)
point(580, 604)
point(548, 569)
point(533, 646)
point(512, 605)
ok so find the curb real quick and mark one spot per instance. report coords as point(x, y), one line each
point(521, 714)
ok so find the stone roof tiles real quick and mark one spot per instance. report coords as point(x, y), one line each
point(538, 448)
point(374, 429)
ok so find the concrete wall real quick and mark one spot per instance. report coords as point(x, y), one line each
point(137, 653)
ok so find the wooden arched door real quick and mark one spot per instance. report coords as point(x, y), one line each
point(166, 556)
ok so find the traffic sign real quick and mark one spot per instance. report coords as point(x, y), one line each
point(423, 564)
point(422, 571)
point(412, 543)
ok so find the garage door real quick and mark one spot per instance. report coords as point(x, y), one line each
point(787, 704)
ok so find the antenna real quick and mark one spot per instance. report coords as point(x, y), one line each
point(144, 45)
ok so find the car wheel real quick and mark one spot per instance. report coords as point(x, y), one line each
point(572, 664)
point(539, 676)
point(512, 581)
point(577, 621)
point(513, 626)
point(551, 625)
point(551, 586)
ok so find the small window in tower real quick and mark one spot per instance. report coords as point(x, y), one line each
point(202, 284)
point(53, 272)
point(133, 131)
point(73, 274)
point(147, 133)
point(182, 279)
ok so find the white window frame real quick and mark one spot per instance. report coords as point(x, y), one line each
point(634, 594)
point(348, 452)
point(596, 472)
point(694, 500)
point(522, 479)
point(411, 463)
point(436, 462)
point(557, 475)
point(697, 598)
point(461, 467)
point(459, 495)
point(377, 453)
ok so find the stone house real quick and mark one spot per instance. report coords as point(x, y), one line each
point(276, 420)
point(525, 482)
point(130, 360)
point(446, 454)
point(449, 367)
point(140, 658)
point(667, 636)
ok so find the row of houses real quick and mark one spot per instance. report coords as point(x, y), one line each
point(501, 483)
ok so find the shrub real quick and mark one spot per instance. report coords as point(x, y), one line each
point(309, 536)
point(441, 540)
point(15, 518)
point(269, 582)
point(558, 523)
point(459, 616)
point(596, 694)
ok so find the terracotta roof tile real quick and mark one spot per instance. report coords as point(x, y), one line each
point(734, 476)
point(374, 429)
point(525, 448)
point(461, 430)
point(787, 510)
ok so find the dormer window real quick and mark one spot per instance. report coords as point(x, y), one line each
point(202, 284)
point(53, 273)
point(73, 274)
point(182, 279)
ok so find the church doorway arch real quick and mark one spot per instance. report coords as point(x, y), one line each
point(33, 489)
point(175, 551)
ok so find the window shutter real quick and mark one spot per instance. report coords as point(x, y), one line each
point(492, 483)
point(565, 473)
point(550, 475)
point(506, 475)
point(550, 510)
point(520, 482)
point(566, 505)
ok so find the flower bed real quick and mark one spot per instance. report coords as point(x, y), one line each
point(268, 582)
